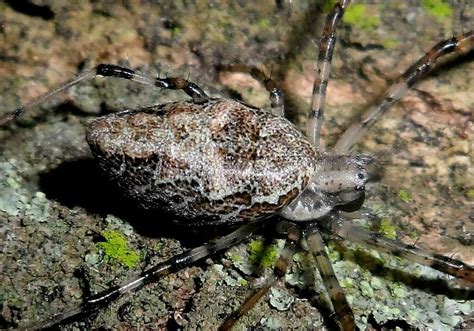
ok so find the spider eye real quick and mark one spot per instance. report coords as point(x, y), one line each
point(360, 175)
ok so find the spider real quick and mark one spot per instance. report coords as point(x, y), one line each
point(317, 202)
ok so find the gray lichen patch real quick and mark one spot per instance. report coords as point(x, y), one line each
point(382, 295)
point(13, 199)
point(280, 299)
point(397, 291)
point(28, 253)
point(376, 284)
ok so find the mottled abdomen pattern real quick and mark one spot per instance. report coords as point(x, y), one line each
point(205, 161)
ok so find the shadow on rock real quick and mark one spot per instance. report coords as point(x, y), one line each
point(79, 183)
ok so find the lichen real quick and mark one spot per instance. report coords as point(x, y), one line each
point(38, 207)
point(371, 282)
point(119, 225)
point(366, 289)
point(14, 199)
point(230, 278)
point(398, 290)
point(376, 283)
point(280, 299)
point(116, 248)
point(272, 323)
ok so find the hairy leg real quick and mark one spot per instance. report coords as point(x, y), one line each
point(317, 248)
point(460, 44)
point(347, 231)
point(276, 95)
point(110, 70)
point(279, 271)
point(326, 49)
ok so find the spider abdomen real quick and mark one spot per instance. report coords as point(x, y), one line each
point(213, 160)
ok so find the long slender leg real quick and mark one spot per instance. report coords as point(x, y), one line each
point(345, 230)
point(317, 247)
point(281, 265)
point(326, 49)
point(276, 94)
point(174, 264)
point(461, 44)
point(111, 70)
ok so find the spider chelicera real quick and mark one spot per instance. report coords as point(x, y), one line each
point(217, 172)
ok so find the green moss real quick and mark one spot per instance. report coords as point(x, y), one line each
point(243, 282)
point(236, 258)
point(389, 43)
point(470, 193)
point(176, 32)
point(157, 248)
point(437, 8)
point(404, 195)
point(264, 23)
point(224, 22)
point(333, 254)
point(388, 229)
point(116, 249)
point(264, 256)
point(328, 5)
point(357, 15)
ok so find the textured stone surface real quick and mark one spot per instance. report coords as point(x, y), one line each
point(54, 205)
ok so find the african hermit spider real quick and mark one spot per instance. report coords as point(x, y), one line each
point(229, 173)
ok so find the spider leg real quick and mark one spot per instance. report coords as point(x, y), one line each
point(326, 49)
point(169, 266)
point(111, 70)
point(345, 230)
point(276, 94)
point(317, 248)
point(460, 44)
point(279, 271)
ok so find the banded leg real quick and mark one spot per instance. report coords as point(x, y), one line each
point(461, 44)
point(347, 231)
point(174, 264)
point(343, 311)
point(276, 94)
point(279, 271)
point(326, 49)
point(111, 70)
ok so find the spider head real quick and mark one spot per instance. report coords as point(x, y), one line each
point(339, 182)
point(349, 180)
